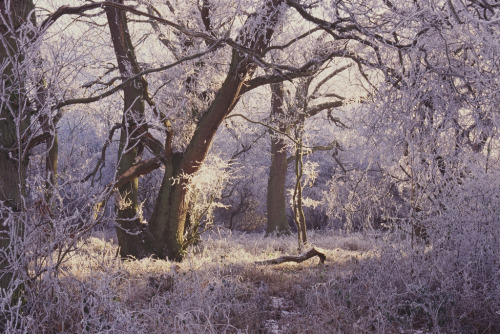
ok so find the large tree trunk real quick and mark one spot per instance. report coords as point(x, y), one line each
point(276, 200)
point(131, 232)
point(168, 221)
point(169, 217)
point(14, 120)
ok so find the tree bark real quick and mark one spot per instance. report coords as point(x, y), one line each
point(276, 200)
point(14, 121)
point(133, 236)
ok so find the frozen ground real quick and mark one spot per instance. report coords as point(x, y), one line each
point(369, 284)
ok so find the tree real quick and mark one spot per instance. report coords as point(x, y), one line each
point(131, 232)
point(168, 220)
point(276, 200)
point(167, 224)
point(304, 105)
point(15, 122)
point(164, 234)
point(430, 81)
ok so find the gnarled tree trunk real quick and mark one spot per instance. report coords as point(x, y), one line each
point(168, 221)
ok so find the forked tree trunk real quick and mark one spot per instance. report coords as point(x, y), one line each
point(276, 200)
point(169, 217)
point(165, 234)
point(168, 221)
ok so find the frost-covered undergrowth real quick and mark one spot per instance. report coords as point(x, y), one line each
point(369, 284)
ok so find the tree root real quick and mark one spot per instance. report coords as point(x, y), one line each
point(297, 258)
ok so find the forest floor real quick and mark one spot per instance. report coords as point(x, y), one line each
point(367, 285)
point(218, 288)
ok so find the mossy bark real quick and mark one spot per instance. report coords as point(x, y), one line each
point(169, 219)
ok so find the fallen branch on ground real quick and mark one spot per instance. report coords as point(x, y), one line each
point(297, 258)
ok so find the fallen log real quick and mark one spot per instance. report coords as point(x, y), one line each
point(297, 258)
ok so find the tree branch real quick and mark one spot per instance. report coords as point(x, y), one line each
point(102, 159)
point(67, 10)
point(305, 70)
point(296, 39)
point(328, 77)
point(328, 147)
point(267, 126)
point(312, 111)
point(141, 168)
point(297, 258)
point(86, 100)
point(329, 27)
point(40, 139)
